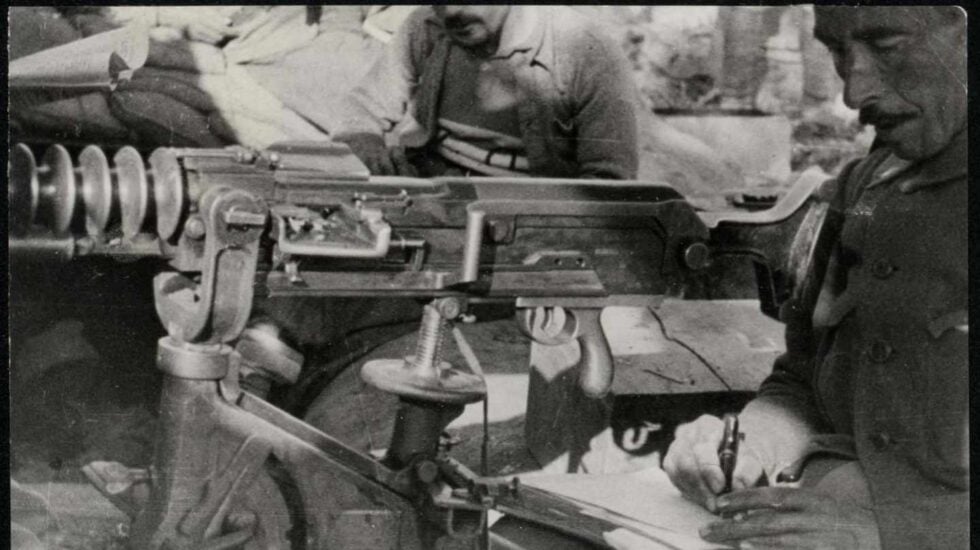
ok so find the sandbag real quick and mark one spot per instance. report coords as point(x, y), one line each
point(186, 55)
point(67, 117)
point(162, 120)
point(222, 128)
point(164, 81)
point(257, 116)
point(168, 45)
point(269, 35)
point(35, 28)
point(241, 110)
point(340, 58)
point(233, 92)
point(242, 129)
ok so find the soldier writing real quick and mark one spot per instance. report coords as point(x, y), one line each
point(869, 404)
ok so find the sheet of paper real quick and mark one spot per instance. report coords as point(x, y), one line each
point(643, 502)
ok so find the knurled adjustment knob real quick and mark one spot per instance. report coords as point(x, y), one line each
point(425, 376)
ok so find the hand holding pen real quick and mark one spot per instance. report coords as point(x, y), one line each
point(707, 460)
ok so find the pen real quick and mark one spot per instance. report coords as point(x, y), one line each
point(728, 449)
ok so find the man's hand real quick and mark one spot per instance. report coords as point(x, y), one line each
point(379, 159)
point(199, 23)
point(784, 517)
point(692, 462)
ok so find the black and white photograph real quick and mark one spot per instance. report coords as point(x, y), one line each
point(473, 277)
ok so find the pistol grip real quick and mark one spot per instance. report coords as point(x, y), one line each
point(596, 365)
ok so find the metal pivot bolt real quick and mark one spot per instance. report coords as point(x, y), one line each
point(697, 256)
point(425, 376)
point(194, 227)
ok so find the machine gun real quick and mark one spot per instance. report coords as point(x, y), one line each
point(306, 219)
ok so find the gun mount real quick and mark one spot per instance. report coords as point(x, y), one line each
point(304, 219)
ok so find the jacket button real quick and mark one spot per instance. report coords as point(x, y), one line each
point(882, 269)
point(881, 441)
point(879, 351)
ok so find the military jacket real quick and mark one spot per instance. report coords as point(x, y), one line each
point(878, 368)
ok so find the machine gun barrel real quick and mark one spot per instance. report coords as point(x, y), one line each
point(331, 229)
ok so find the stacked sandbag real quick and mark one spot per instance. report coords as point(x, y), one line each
point(190, 92)
point(280, 77)
point(185, 108)
point(160, 119)
point(163, 102)
point(67, 118)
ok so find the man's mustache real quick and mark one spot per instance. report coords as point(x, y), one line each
point(876, 116)
point(458, 21)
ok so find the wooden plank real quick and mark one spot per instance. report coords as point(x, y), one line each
point(692, 346)
point(647, 361)
point(733, 336)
